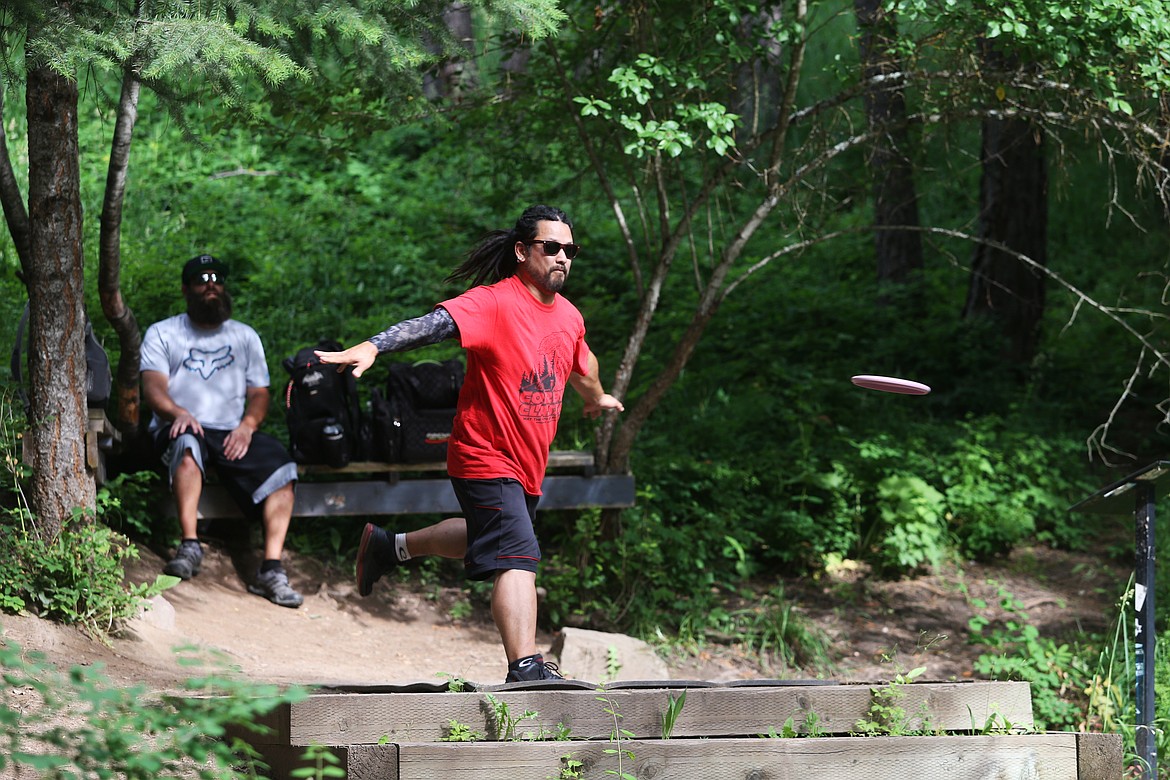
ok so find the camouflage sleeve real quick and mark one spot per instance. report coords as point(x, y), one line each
point(428, 329)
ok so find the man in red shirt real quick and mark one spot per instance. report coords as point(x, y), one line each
point(525, 342)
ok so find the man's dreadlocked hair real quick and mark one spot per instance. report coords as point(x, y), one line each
point(493, 258)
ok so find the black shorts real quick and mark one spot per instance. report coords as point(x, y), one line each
point(500, 535)
point(265, 468)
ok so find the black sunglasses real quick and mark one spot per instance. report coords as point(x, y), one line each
point(551, 248)
point(207, 277)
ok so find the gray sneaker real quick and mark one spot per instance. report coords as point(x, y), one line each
point(188, 558)
point(273, 585)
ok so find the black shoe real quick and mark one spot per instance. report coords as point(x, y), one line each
point(534, 668)
point(273, 585)
point(375, 557)
point(188, 558)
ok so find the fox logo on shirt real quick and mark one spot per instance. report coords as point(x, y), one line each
point(207, 363)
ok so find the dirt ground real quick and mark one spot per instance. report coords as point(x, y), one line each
point(406, 633)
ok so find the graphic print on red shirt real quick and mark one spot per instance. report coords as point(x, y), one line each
point(519, 356)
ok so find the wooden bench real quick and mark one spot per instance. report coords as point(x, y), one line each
point(100, 438)
point(423, 488)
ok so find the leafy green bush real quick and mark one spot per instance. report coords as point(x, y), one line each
point(911, 529)
point(1004, 483)
point(76, 577)
point(78, 724)
point(128, 502)
point(1058, 673)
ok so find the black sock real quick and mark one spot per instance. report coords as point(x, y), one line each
point(527, 660)
point(269, 565)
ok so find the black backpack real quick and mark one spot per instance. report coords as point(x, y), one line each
point(99, 381)
point(324, 418)
point(412, 420)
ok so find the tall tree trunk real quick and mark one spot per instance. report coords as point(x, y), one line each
point(758, 82)
point(456, 74)
point(895, 198)
point(54, 274)
point(114, 305)
point(1013, 197)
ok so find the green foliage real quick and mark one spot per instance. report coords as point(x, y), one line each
point(129, 501)
point(762, 461)
point(811, 727)
point(338, 63)
point(325, 764)
point(888, 716)
point(1057, 672)
point(76, 577)
point(674, 708)
point(1112, 48)
point(77, 724)
point(618, 737)
point(571, 768)
point(910, 528)
point(502, 720)
point(455, 731)
point(613, 664)
point(683, 126)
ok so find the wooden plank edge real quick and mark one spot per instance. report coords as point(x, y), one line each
point(355, 718)
point(1054, 756)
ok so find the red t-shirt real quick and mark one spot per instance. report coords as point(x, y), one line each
point(519, 355)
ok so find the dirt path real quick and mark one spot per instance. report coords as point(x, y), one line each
point(399, 635)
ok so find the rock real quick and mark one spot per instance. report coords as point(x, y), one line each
point(156, 613)
point(596, 656)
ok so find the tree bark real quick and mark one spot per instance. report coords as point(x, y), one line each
point(54, 275)
point(758, 80)
point(1013, 197)
point(456, 74)
point(114, 305)
point(895, 197)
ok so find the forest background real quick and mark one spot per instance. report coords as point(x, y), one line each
point(771, 198)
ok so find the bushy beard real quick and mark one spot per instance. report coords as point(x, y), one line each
point(209, 312)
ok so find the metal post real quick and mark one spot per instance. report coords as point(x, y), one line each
point(1144, 631)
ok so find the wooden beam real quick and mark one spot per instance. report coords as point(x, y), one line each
point(423, 496)
point(578, 460)
point(328, 492)
point(1052, 756)
point(364, 718)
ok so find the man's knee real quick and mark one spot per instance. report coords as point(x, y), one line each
point(188, 466)
point(283, 495)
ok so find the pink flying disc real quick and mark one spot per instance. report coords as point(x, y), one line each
point(890, 384)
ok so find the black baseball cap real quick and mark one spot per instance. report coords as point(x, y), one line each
point(200, 264)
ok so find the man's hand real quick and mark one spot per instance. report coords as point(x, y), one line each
point(360, 356)
point(604, 403)
point(236, 443)
point(184, 422)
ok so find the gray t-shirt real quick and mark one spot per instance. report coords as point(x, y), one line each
point(209, 371)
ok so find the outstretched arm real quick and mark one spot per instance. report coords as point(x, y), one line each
point(409, 334)
point(588, 386)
